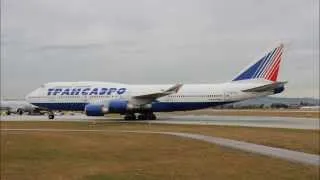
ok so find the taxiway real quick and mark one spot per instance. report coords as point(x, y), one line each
point(248, 121)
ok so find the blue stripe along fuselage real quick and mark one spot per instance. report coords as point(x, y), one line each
point(156, 106)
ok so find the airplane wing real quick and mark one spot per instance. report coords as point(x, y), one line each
point(147, 98)
point(268, 87)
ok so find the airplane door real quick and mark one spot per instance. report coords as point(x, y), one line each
point(227, 96)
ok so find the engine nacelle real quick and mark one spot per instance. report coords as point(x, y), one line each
point(118, 106)
point(278, 89)
point(95, 110)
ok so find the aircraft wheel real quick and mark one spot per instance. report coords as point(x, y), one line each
point(51, 116)
point(144, 116)
point(149, 116)
point(133, 117)
point(153, 117)
point(130, 117)
point(20, 111)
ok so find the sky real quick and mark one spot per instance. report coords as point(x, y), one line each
point(155, 41)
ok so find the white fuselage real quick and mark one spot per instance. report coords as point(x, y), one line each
point(76, 95)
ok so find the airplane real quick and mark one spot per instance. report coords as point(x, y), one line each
point(18, 107)
point(142, 101)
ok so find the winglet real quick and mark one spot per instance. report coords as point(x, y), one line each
point(174, 89)
point(266, 68)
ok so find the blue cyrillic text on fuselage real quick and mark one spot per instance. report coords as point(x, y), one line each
point(85, 91)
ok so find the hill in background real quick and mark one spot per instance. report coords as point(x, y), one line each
point(268, 101)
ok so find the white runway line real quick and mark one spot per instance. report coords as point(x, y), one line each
point(285, 154)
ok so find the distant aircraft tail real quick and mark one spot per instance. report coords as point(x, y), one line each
point(266, 68)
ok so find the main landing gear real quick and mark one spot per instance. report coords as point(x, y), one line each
point(20, 111)
point(148, 116)
point(130, 116)
point(144, 116)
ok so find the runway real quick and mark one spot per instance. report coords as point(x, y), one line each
point(247, 121)
point(285, 154)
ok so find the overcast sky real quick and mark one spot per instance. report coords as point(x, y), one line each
point(155, 41)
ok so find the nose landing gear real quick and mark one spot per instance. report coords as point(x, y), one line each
point(51, 115)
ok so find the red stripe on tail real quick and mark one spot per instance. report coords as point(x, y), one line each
point(274, 72)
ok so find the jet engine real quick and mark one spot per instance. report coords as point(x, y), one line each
point(115, 106)
point(95, 110)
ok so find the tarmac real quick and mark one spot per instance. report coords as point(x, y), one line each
point(247, 121)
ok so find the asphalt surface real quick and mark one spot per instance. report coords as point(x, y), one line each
point(285, 154)
point(248, 121)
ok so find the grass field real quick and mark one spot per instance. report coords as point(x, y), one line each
point(101, 156)
point(294, 139)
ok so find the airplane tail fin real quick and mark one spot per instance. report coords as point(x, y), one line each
point(266, 68)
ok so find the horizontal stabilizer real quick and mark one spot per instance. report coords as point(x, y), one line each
point(268, 87)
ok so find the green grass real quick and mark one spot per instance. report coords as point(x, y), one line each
point(83, 155)
point(295, 139)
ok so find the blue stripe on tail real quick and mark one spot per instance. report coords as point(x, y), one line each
point(250, 73)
